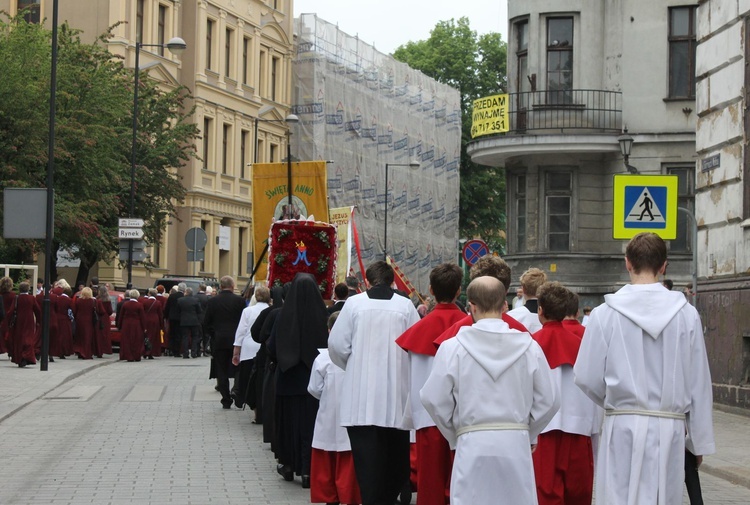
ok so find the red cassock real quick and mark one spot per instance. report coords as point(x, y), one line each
point(84, 340)
point(4, 334)
point(154, 323)
point(563, 462)
point(573, 326)
point(468, 321)
point(104, 311)
point(132, 323)
point(433, 455)
point(23, 333)
point(343, 487)
point(64, 325)
point(54, 340)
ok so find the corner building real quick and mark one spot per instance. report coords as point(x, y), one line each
point(579, 72)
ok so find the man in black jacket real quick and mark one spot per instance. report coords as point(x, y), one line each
point(190, 320)
point(223, 313)
point(341, 293)
point(172, 313)
point(203, 299)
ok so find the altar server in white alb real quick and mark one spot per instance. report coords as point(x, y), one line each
point(332, 476)
point(490, 393)
point(375, 394)
point(643, 359)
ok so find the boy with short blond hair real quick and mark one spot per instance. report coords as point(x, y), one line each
point(531, 280)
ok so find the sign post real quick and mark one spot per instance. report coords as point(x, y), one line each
point(645, 203)
point(131, 229)
point(195, 240)
point(473, 250)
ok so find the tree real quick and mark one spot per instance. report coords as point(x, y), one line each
point(93, 139)
point(476, 66)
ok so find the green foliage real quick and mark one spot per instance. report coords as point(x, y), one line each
point(476, 66)
point(92, 137)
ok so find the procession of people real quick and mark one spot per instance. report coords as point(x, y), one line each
point(368, 400)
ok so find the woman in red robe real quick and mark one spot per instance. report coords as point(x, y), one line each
point(131, 319)
point(104, 311)
point(154, 323)
point(65, 322)
point(23, 320)
point(84, 312)
point(6, 291)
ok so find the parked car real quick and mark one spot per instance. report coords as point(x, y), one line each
point(193, 282)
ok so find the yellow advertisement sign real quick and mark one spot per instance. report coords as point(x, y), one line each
point(644, 203)
point(271, 199)
point(490, 115)
point(341, 218)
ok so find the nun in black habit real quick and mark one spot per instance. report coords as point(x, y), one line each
point(300, 329)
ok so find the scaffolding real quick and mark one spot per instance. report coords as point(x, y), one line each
point(363, 109)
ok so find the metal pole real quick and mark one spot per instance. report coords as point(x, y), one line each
point(50, 196)
point(195, 251)
point(132, 158)
point(255, 140)
point(695, 251)
point(385, 217)
point(289, 169)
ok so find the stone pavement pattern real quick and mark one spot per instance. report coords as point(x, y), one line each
point(107, 432)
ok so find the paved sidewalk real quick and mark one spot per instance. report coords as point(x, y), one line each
point(732, 459)
point(19, 387)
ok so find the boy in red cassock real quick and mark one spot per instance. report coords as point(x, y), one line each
point(563, 461)
point(492, 266)
point(433, 453)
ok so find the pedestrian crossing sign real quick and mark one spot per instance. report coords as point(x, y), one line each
point(645, 203)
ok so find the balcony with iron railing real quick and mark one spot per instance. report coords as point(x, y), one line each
point(554, 121)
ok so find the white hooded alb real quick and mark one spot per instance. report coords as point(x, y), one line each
point(491, 377)
point(643, 351)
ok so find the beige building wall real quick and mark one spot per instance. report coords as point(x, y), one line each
point(238, 67)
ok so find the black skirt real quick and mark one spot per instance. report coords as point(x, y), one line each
point(295, 422)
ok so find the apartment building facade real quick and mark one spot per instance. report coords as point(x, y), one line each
point(237, 66)
point(723, 193)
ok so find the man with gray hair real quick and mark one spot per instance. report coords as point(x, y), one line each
point(172, 314)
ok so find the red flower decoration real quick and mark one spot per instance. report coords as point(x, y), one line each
point(303, 246)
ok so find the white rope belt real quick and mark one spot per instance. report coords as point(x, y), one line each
point(492, 427)
point(649, 413)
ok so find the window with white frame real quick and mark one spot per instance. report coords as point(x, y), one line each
point(161, 32)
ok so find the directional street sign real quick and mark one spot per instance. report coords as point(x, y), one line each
point(473, 250)
point(645, 203)
point(130, 222)
point(131, 233)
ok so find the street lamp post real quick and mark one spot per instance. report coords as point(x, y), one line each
point(411, 164)
point(176, 46)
